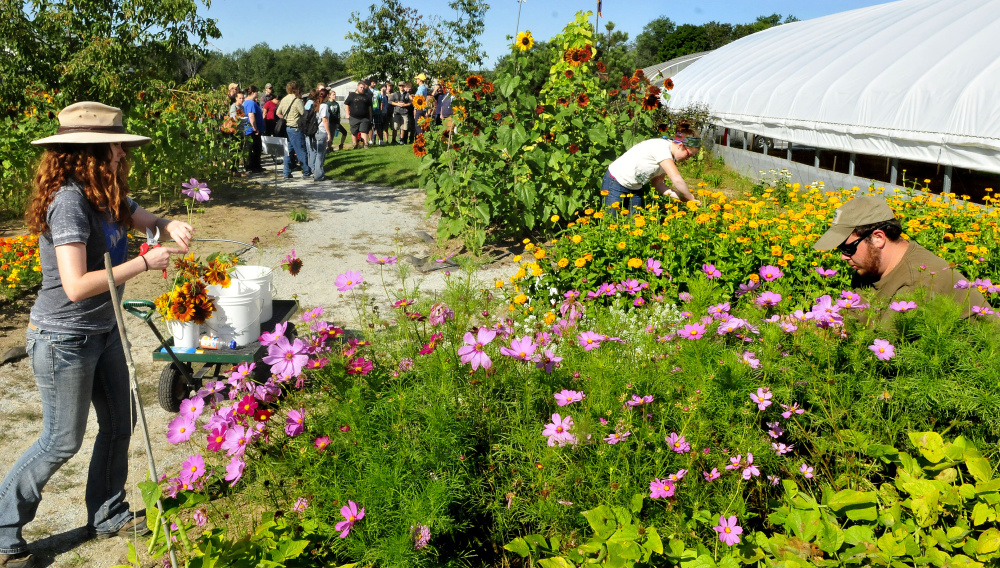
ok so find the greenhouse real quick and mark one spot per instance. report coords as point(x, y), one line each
point(861, 96)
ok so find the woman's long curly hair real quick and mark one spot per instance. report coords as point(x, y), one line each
point(90, 165)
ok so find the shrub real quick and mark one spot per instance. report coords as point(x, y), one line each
point(19, 266)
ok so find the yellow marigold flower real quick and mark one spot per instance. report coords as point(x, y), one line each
point(755, 277)
point(613, 227)
point(634, 263)
point(621, 245)
point(526, 241)
point(563, 262)
point(639, 221)
point(577, 239)
point(664, 237)
point(588, 257)
point(536, 270)
point(517, 258)
point(691, 205)
point(550, 318)
point(579, 262)
point(599, 215)
point(789, 257)
point(554, 218)
point(540, 253)
point(571, 225)
point(520, 299)
point(782, 263)
point(637, 233)
point(753, 224)
point(588, 211)
point(972, 248)
point(519, 275)
point(498, 284)
point(529, 246)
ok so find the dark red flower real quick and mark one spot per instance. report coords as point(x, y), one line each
point(539, 109)
point(569, 73)
point(562, 101)
point(582, 100)
point(668, 84)
point(600, 67)
point(573, 148)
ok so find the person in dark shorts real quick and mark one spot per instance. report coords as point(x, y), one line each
point(402, 113)
point(359, 113)
point(335, 125)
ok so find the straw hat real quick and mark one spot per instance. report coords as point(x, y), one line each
point(91, 123)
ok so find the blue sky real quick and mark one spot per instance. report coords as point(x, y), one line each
point(246, 22)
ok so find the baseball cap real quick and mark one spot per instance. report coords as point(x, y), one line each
point(268, 86)
point(233, 86)
point(859, 211)
point(421, 76)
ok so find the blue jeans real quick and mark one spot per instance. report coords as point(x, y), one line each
point(316, 150)
point(618, 193)
point(297, 141)
point(72, 371)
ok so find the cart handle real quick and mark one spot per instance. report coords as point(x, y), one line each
point(142, 309)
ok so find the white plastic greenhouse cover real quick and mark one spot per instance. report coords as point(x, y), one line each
point(914, 79)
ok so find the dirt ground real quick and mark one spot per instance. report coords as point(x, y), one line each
point(346, 221)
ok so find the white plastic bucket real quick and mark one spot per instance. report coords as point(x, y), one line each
point(263, 278)
point(186, 334)
point(237, 314)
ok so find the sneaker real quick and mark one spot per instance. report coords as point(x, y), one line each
point(135, 526)
point(21, 560)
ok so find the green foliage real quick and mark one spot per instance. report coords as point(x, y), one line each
point(88, 50)
point(662, 40)
point(518, 157)
point(454, 46)
point(299, 214)
point(262, 64)
point(387, 23)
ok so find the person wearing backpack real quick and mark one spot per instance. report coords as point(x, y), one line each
point(335, 124)
point(316, 144)
point(359, 113)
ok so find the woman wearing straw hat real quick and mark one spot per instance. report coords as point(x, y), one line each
point(81, 209)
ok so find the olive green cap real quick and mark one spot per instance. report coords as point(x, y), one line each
point(859, 211)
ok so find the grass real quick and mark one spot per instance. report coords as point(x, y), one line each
point(393, 166)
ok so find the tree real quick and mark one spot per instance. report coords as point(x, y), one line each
point(95, 49)
point(261, 64)
point(614, 51)
point(389, 43)
point(454, 46)
point(661, 40)
point(647, 43)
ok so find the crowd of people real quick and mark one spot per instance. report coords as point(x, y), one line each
point(375, 114)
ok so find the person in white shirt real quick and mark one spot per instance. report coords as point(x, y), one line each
point(650, 162)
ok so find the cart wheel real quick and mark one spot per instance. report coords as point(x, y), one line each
point(173, 389)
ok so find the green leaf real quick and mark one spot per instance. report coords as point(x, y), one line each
point(830, 537)
point(151, 493)
point(859, 533)
point(930, 444)
point(703, 561)
point(598, 135)
point(979, 468)
point(518, 546)
point(982, 513)
point(555, 562)
point(653, 541)
point(602, 520)
point(889, 545)
point(636, 505)
point(791, 489)
point(989, 541)
point(855, 505)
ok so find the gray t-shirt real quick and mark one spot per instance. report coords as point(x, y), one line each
point(72, 219)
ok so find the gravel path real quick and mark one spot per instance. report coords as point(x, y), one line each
point(347, 221)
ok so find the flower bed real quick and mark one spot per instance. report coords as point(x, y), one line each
point(734, 236)
point(698, 431)
point(19, 268)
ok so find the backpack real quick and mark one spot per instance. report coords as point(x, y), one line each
point(308, 124)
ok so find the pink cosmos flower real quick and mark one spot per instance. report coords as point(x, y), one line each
point(962, 285)
point(193, 468)
point(768, 299)
point(747, 287)
point(775, 429)
point(711, 475)
point(883, 349)
point(789, 327)
point(440, 313)
point(749, 469)
point(312, 314)
point(247, 406)
point(676, 477)
point(590, 340)
point(692, 331)
point(789, 410)
point(269, 337)
point(982, 311)
point(806, 471)
point(351, 515)
point(421, 535)
point(718, 310)
point(615, 437)
point(180, 429)
point(677, 443)
point(762, 398)
point(235, 443)
point(653, 265)
point(295, 423)
point(825, 272)
point(200, 516)
point(192, 407)
point(196, 190)
point(372, 259)
point(566, 397)
point(473, 350)
point(710, 271)
point(234, 471)
point(661, 488)
point(770, 273)
point(321, 443)
point(348, 280)
point(287, 358)
point(735, 462)
point(640, 400)
point(216, 438)
point(685, 297)
point(359, 366)
point(729, 531)
point(782, 449)
point(547, 361)
point(522, 349)
point(301, 504)
point(751, 359)
point(558, 431)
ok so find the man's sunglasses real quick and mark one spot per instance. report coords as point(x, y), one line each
point(851, 248)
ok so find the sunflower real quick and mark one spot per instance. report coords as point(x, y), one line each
point(549, 137)
point(539, 109)
point(569, 55)
point(639, 74)
point(419, 102)
point(633, 82)
point(569, 73)
point(525, 41)
point(487, 87)
point(217, 275)
point(626, 82)
point(600, 67)
point(661, 128)
point(613, 93)
point(562, 101)
point(478, 96)
point(668, 84)
point(473, 81)
point(579, 57)
point(182, 310)
point(654, 90)
point(497, 116)
point(586, 53)
point(573, 148)
point(295, 266)
point(582, 100)
point(651, 101)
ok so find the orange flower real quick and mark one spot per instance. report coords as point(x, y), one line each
point(474, 81)
point(668, 84)
point(569, 73)
point(419, 102)
point(582, 100)
point(487, 87)
point(600, 67)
